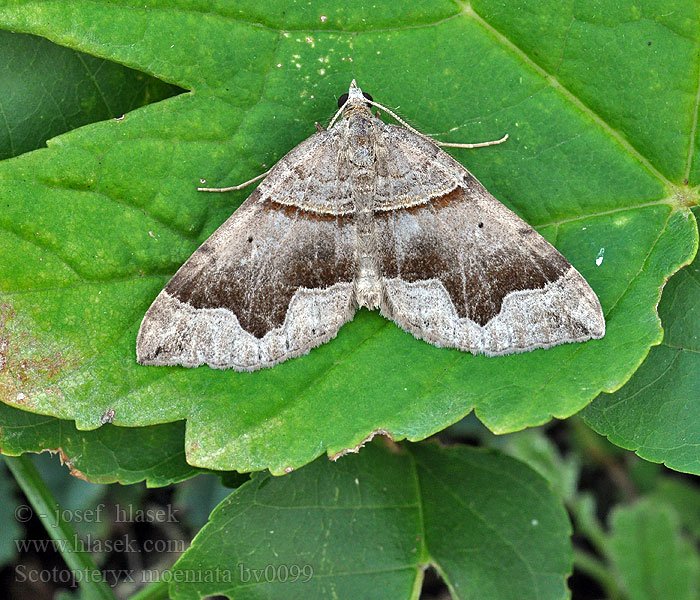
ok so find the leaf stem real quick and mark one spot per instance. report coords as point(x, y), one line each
point(44, 504)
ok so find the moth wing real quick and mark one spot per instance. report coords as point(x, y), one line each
point(461, 270)
point(271, 283)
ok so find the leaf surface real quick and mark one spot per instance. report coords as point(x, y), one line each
point(48, 89)
point(105, 455)
point(452, 508)
point(96, 224)
point(651, 556)
point(656, 413)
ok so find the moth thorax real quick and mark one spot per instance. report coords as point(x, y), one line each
point(354, 110)
point(361, 142)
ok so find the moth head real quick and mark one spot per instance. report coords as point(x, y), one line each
point(354, 96)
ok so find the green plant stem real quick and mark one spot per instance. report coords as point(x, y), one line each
point(590, 565)
point(45, 507)
point(154, 591)
point(582, 508)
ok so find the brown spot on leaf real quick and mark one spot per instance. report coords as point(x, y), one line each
point(23, 367)
point(356, 449)
point(194, 446)
point(65, 460)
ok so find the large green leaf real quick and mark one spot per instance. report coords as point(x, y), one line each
point(48, 89)
point(452, 508)
point(656, 413)
point(51, 89)
point(106, 455)
point(95, 225)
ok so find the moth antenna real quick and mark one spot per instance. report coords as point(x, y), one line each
point(335, 116)
point(448, 144)
point(240, 186)
point(476, 145)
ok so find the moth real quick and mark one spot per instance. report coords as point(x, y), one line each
point(367, 213)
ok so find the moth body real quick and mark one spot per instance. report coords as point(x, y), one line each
point(360, 133)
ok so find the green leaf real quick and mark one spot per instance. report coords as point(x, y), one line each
point(653, 560)
point(48, 90)
point(95, 225)
point(452, 508)
point(106, 455)
point(684, 498)
point(633, 65)
point(656, 413)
